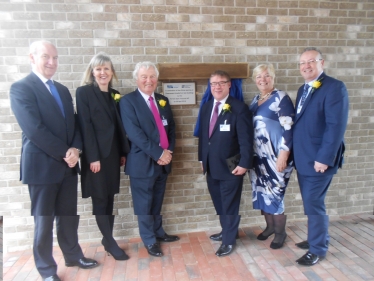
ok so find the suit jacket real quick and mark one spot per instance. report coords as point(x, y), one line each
point(96, 123)
point(318, 130)
point(143, 134)
point(46, 134)
point(221, 145)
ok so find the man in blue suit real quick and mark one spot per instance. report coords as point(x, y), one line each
point(226, 132)
point(318, 144)
point(50, 152)
point(148, 121)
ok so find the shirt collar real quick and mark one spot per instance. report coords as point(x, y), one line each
point(310, 83)
point(41, 77)
point(145, 96)
point(223, 101)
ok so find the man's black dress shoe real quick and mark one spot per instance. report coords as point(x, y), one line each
point(52, 278)
point(225, 250)
point(167, 238)
point(154, 250)
point(303, 245)
point(84, 263)
point(218, 236)
point(309, 259)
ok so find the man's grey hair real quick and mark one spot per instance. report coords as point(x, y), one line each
point(313, 49)
point(146, 65)
point(35, 46)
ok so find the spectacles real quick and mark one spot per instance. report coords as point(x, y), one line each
point(215, 84)
point(309, 62)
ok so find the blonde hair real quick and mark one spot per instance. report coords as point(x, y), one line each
point(261, 68)
point(99, 59)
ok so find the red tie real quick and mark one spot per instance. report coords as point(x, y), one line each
point(214, 118)
point(164, 143)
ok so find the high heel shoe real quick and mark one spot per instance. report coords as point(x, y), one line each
point(122, 257)
point(278, 245)
point(263, 237)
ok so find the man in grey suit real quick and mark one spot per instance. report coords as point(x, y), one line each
point(50, 152)
point(150, 127)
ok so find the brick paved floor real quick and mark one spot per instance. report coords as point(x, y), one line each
point(350, 257)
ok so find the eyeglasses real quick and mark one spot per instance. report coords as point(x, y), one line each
point(309, 62)
point(215, 84)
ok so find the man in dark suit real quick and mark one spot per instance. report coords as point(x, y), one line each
point(150, 127)
point(50, 153)
point(318, 143)
point(226, 131)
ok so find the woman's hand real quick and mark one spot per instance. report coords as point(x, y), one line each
point(282, 160)
point(95, 167)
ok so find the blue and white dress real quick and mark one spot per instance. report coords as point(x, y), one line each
point(272, 122)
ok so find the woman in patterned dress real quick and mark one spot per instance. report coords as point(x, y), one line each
point(273, 114)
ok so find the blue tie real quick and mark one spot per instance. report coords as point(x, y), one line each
point(305, 94)
point(56, 95)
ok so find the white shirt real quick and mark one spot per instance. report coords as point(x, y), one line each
point(219, 107)
point(310, 83)
point(146, 98)
point(44, 80)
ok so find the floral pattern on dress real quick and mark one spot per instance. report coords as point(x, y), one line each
point(272, 122)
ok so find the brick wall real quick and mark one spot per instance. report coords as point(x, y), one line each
point(253, 31)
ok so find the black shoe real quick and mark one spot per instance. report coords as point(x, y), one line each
point(52, 278)
point(309, 259)
point(216, 237)
point(278, 245)
point(119, 256)
point(84, 263)
point(154, 250)
point(167, 238)
point(303, 245)
point(225, 250)
point(263, 237)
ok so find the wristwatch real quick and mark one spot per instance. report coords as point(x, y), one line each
point(79, 150)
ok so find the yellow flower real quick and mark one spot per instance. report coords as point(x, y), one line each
point(316, 84)
point(226, 108)
point(116, 97)
point(162, 103)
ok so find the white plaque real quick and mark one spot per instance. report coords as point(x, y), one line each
point(180, 93)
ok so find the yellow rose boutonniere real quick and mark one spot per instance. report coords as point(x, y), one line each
point(162, 103)
point(226, 108)
point(116, 97)
point(316, 84)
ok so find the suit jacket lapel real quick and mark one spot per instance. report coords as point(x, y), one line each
point(42, 90)
point(310, 96)
point(220, 116)
point(146, 110)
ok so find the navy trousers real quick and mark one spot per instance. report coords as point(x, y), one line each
point(313, 192)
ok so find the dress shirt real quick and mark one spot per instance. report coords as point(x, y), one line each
point(299, 107)
point(219, 107)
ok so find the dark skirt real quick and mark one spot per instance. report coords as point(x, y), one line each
point(106, 182)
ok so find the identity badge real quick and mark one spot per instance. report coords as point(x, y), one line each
point(224, 127)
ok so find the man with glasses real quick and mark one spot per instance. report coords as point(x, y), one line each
point(226, 135)
point(318, 143)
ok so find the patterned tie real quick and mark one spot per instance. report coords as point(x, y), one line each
point(214, 118)
point(164, 143)
point(305, 94)
point(56, 95)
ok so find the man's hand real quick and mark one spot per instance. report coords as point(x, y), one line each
point(95, 167)
point(319, 167)
point(122, 161)
point(72, 157)
point(165, 157)
point(238, 171)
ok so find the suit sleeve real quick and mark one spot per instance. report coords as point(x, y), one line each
point(26, 110)
point(336, 117)
point(134, 130)
point(91, 148)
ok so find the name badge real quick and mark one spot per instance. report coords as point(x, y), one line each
point(224, 127)
point(164, 122)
